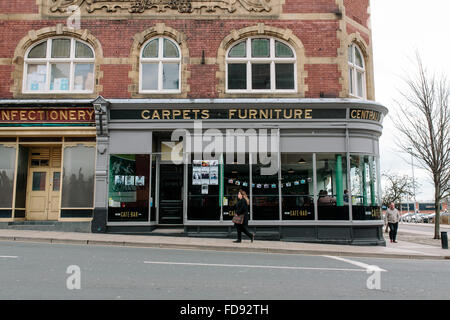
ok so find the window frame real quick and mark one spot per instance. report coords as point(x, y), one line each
point(48, 61)
point(160, 60)
point(272, 60)
point(355, 69)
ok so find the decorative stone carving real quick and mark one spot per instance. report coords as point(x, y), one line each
point(182, 6)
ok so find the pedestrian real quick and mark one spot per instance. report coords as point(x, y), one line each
point(392, 218)
point(242, 210)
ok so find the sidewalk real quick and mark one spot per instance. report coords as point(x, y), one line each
point(405, 249)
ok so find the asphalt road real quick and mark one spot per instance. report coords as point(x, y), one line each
point(43, 271)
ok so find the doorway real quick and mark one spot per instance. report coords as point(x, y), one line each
point(44, 183)
point(170, 194)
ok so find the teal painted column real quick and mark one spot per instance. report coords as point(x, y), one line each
point(372, 185)
point(339, 182)
point(364, 182)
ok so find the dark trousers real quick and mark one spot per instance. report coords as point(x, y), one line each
point(242, 228)
point(393, 227)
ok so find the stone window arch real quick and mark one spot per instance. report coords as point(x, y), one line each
point(356, 72)
point(82, 64)
point(285, 39)
point(143, 85)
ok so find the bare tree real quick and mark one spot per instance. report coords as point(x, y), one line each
point(397, 188)
point(424, 126)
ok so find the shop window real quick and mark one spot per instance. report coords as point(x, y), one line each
point(261, 65)
point(365, 190)
point(236, 177)
point(7, 171)
point(160, 70)
point(357, 72)
point(59, 65)
point(204, 179)
point(332, 190)
point(265, 194)
point(297, 189)
point(78, 177)
point(128, 188)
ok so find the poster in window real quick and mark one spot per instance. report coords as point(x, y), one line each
point(140, 181)
point(129, 180)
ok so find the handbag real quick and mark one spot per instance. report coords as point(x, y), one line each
point(238, 219)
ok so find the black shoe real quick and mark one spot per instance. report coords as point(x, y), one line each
point(237, 241)
point(253, 237)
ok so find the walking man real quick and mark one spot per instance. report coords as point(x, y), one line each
point(392, 218)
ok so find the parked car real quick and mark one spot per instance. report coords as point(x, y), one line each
point(425, 217)
point(406, 217)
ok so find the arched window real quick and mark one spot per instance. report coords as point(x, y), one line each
point(59, 65)
point(160, 70)
point(261, 65)
point(357, 72)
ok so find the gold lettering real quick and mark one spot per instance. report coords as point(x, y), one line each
point(63, 115)
point(41, 115)
point(54, 115)
point(186, 114)
point(176, 113)
point(308, 114)
point(23, 115)
point(264, 113)
point(298, 113)
point(155, 115)
point(145, 114)
point(5, 115)
point(252, 114)
point(278, 113)
point(285, 114)
point(32, 118)
point(205, 114)
point(195, 111)
point(231, 113)
point(90, 114)
point(166, 114)
point(72, 115)
point(353, 115)
point(358, 114)
point(81, 115)
point(13, 115)
point(242, 116)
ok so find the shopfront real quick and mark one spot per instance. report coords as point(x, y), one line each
point(47, 163)
point(311, 167)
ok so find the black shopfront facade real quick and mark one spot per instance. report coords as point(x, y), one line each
point(310, 167)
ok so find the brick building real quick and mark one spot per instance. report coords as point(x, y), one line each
point(93, 92)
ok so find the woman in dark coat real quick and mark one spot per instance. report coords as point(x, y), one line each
point(242, 209)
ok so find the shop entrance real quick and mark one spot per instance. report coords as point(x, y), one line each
point(44, 183)
point(170, 194)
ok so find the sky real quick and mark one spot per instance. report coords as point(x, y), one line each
point(399, 28)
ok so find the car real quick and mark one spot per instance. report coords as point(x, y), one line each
point(425, 217)
point(416, 218)
point(406, 217)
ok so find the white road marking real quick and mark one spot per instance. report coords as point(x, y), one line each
point(12, 257)
point(250, 266)
point(359, 264)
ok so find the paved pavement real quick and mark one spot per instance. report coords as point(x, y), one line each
point(411, 245)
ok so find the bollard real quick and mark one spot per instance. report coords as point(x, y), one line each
point(444, 240)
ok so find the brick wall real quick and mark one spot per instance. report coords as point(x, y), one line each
point(318, 36)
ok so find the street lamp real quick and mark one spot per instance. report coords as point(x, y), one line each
point(414, 181)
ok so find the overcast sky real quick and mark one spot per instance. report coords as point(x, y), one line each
point(399, 28)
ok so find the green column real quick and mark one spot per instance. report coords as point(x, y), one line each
point(364, 182)
point(372, 185)
point(339, 182)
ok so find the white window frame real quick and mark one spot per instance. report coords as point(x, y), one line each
point(48, 61)
point(355, 69)
point(160, 60)
point(249, 60)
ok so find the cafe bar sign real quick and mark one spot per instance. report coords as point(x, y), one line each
point(53, 115)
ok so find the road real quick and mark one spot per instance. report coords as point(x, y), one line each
point(40, 271)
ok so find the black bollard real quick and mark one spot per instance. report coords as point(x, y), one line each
point(444, 240)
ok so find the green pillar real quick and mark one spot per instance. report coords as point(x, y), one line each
point(372, 185)
point(364, 183)
point(339, 182)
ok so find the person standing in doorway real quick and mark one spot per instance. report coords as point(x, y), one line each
point(392, 218)
point(242, 209)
